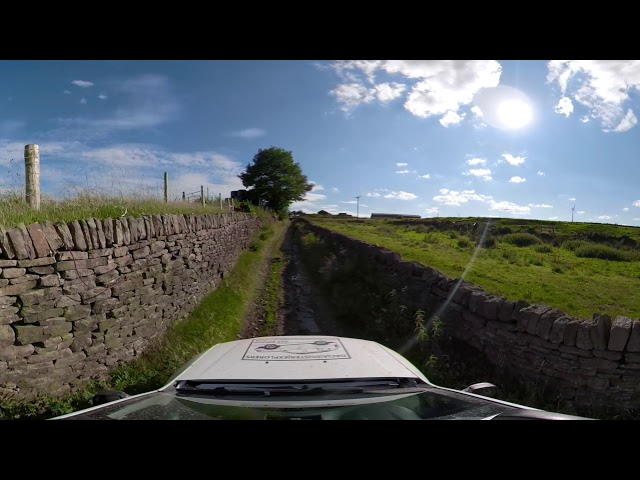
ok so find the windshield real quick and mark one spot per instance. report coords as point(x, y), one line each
point(402, 404)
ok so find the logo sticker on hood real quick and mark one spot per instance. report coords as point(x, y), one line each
point(301, 348)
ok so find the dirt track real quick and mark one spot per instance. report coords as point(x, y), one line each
point(303, 311)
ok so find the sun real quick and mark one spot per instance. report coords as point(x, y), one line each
point(515, 113)
point(504, 107)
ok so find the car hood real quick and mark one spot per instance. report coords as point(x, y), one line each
point(299, 358)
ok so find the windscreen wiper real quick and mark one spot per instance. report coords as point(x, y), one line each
point(260, 391)
point(187, 387)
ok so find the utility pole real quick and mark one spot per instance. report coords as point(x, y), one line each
point(572, 210)
point(358, 206)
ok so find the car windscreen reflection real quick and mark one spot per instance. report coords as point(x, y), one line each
point(422, 404)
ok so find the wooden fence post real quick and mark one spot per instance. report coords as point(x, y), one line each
point(32, 175)
point(202, 194)
point(166, 187)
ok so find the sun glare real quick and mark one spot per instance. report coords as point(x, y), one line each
point(515, 113)
point(505, 107)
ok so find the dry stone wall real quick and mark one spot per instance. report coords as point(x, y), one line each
point(588, 362)
point(77, 299)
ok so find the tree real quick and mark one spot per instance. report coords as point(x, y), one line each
point(275, 178)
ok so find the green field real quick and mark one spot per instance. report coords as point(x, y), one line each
point(580, 268)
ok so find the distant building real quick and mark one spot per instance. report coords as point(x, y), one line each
point(239, 195)
point(344, 215)
point(393, 215)
point(323, 212)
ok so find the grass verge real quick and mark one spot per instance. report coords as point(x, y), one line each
point(540, 273)
point(272, 296)
point(218, 318)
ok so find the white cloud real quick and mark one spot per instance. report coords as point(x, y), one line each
point(604, 217)
point(584, 119)
point(540, 205)
point(480, 172)
point(476, 111)
point(517, 180)
point(350, 95)
point(581, 212)
point(248, 133)
point(402, 171)
point(83, 101)
point(572, 199)
point(553, 218)
point(478, 117)
point(147, 102)
point(625, 209)
point(355, 202)
point(385, 92)
point(511, 160)
point(602, 86)
point(401, 164)
point(451, 197)
point(313, 197)
point(310, 196)
point(509, 207)
point(441, 87)
point(541, 173)
point(476, 161)
point(102, 96)
point(451, 118)
point(82, 83)
point(373, 194)
point(427, 176)
point(401, 195)
point(627, 122)
point(636, 203)
point(432, 210)
point(564, 107)
point(66, 92)
point(335, 190)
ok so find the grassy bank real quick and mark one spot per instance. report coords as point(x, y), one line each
point(218, 318)
point(14, 210)
point(574, 267)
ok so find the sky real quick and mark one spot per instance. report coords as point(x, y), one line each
point(493, 138)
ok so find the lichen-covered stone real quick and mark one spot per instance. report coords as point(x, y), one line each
point(601, 331)
point(52, 236)
point(133, 229)
point(620, 332)
point(18, 289)
point(77, 235)
point(12, 272)
point(39, 241)
point(102, 241)
point(633, 345)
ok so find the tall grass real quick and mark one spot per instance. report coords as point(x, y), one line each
point(521, 239)
point(605, 252)
point(97, 198)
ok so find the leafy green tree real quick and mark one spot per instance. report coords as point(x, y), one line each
point(275, 178)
